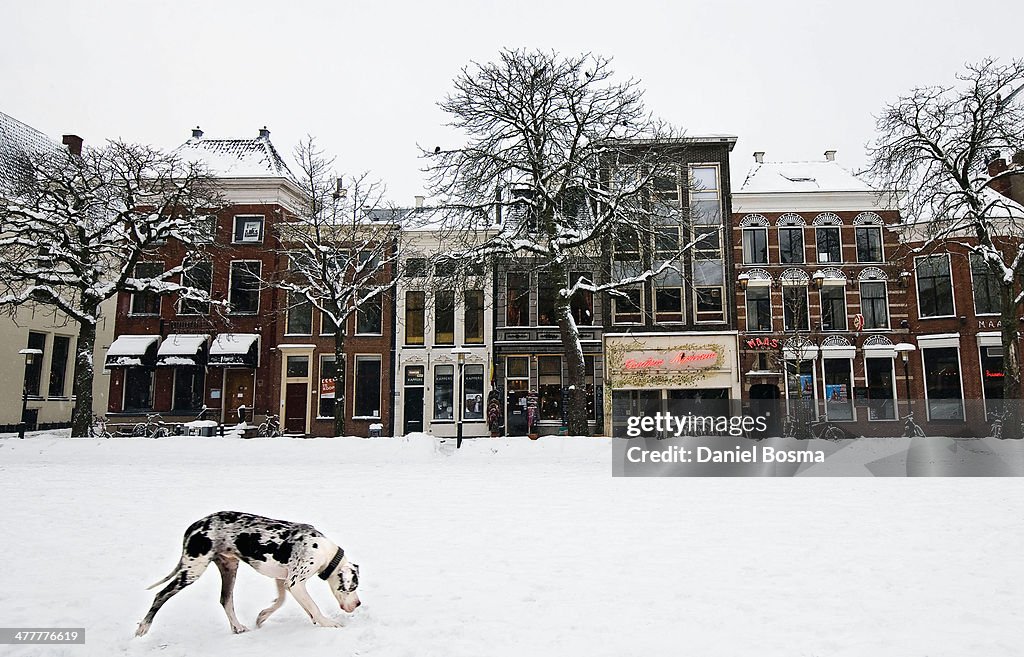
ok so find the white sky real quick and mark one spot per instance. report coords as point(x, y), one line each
point(789, 78)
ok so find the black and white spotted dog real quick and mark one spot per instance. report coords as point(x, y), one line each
point(288, 552)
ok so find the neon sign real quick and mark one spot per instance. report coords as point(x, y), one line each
point(669, 360)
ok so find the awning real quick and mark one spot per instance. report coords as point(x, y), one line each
point(132, 351)
point(182, 350)
point(235, 349)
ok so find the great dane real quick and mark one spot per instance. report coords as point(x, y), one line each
point(288, 552)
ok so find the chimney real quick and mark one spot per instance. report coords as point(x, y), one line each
point(264, 133)
point(74, 144)
point(1018, 158)
point(197, 133)
point(759, 157)
point(996, 166)
point(419, 201)
point(830, 156)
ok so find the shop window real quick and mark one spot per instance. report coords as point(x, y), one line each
point(881, 389)
point(474, 319)
point(627, 306)
point(138, 389)
point(549, 372)
point(300, 315)
point(244, 295)
point(59, 365)
point(189, 388)
point(833, 308)
point(581, 303)
point(248, 229)
point(942, 383)
point(759, 308)
point(444, 393)
point(828, 244)
point(444, 317)
point(791, 246)
point(473, 392)
point(588, 382)
point(987, 290)
point(934, 286)
point(369, 315)
point(34, 370)
point(800, 387)
point(148, 302)
point(992, 376)
point(328, 370)
point(199, 277)
point(517, 299)
point(367, 383)
point(794, 308)
point(415, 302)
point(838, 389)
point(755, 246)
point(869, 244)
point(874, 305)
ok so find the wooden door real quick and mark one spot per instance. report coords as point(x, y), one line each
point(295, 408)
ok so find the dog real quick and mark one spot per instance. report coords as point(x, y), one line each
point(288, 552)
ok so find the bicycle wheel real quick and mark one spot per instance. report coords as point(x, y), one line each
point(139, 431)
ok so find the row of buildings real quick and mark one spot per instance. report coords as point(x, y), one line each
point(798, 292)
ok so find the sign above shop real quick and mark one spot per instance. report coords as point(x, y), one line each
point(695, 359)
point(763, 343)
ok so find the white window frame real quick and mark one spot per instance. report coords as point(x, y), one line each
point(817, 243)
point(288, 315)
point(803, 244)
point(319, 376)
point(159, 297)
point(355, 384)
point(846, 310)
point(615, 299)
point(952, 286)
point(891, 357)
point(654, 300)
point(243, 217)
point(380, 306)
point(181, 310)
point(231, 285)
point(924, 381)
point(885, 288)
point(974, 290)
point(743, 245)
point(881, 242)
point(746, 309)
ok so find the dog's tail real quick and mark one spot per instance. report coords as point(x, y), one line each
point(174, 572)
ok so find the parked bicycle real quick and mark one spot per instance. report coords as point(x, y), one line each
point(912, 429)
point(270, 427)
point(98, 427)
point(823, 429)
point(153, 427)
point(996, 428)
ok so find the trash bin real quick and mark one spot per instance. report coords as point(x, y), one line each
point(242, 414)
point(376, 429)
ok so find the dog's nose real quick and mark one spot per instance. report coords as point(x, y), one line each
point(359, 603)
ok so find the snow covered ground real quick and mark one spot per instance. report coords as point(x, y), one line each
point(511, 547)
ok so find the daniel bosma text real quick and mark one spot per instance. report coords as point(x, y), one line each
point(753, 454)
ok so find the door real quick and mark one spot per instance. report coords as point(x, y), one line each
point(413, 410)
point(516, 409)
point(295, 408)
point(238, 391)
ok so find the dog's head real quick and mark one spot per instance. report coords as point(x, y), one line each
point(343, 582)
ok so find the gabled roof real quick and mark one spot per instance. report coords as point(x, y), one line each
point(17, 140)
point(236, 158)
point(783, 177)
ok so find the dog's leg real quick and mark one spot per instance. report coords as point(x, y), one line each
point(228, 568)
point(191, 569)
point(265, 614)
point(301, 595)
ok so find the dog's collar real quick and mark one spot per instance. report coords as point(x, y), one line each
point(329, 568)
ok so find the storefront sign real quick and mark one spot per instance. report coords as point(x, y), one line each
point(669, 360)
point(763, 343)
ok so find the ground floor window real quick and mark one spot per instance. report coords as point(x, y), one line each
point(328, 370)
point(473, 392)
point(942, 383)
point(444, 393)
point(588, 382)
point(138, 389)
point(800, 384)
point(189, 388)
point(992, 378)
point(838, 388)
point(367, 381)
point(633, 403)
point(549, 372)
point(881, 389)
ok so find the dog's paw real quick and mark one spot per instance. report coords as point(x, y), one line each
point(238, 629)
point(142, 629)
point(328, 622)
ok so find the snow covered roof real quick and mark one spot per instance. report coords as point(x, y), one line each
point(232, 343)
point(16, 140)
point(236, 158)
point(781, 177)
point(182, 344)
point(132, 351)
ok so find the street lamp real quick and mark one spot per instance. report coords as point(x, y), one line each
point(30, 355)
point(460, 353)
point(904, 349)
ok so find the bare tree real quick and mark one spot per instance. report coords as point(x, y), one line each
point(561, 161)
point(73, 227)
point(342, 252)
point(935, 143)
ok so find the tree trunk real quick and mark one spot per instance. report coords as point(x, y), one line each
point(81, 414)
point(1011, 422)
point(576, 401)
point(339, 381)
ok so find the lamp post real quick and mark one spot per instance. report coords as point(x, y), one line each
point(904, 349)
point(29, 355)
point(460, 354)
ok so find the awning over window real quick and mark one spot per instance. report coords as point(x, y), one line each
point(235, 349)
point(132, 351)
point(182, 350)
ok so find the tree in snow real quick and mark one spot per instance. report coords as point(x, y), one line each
point(562, 161)
point(73, 228)
point(342, 254)
point(935, 143)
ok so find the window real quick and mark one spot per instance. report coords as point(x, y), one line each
point(801, 383)
point(300, 315)
point(368, 261)
point(874, 305)
point(328, 370)
point(327, 326)
point(627, 306)
point(829, 248)
point(626, 244)
point(59, 365)
point(198, 277)
point(474, 319)
point(34, 370)
point(549, 391)
point(986, 287)
point(369, 315)
point(759, 308)
point(666, 186)
point(709, 290)
point(188, 388)
point(942, 383)
point(668, 304)
point(869, 244)
point(205, 229)
point(791, 246)
point(415, 267)
point(244, 296)
point(297, 367)
point(138, 389)
point(707, 243)
point(934, 286)
point(444, 317)
point(147, 303)
point(444, 394)
point(833, 308)
point(517, 299)
point(581, 304)
point(666, 241)
point(794, 308)
point(415, 302)
point(881, 389)
point(547, 292)
point(755, 246)
point(367, 382)
point(838, 389)
point(588, 382)
point(473, 392)
point(709, 304)
point(992, 375)
point(248, 229)
point(705, 207)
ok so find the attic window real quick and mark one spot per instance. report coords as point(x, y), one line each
point(797, 178)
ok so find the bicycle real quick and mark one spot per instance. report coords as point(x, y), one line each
point(912, 429)
point(154, 427)
point(270, 428)
point(997, 425)
point(822, 429)
point(98, 427)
